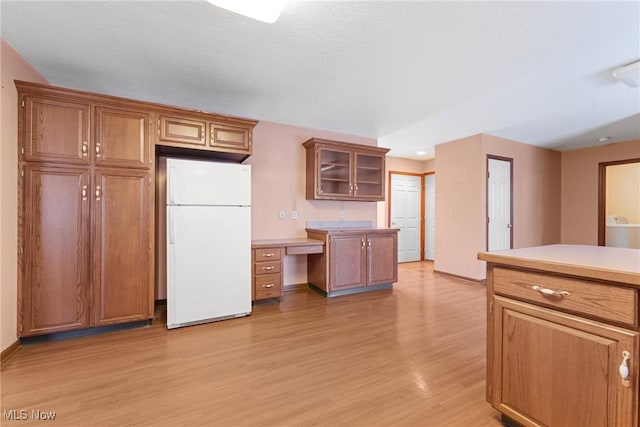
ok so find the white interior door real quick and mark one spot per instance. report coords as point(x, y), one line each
point(430, 217)
point(499, 227)
point(405, 214)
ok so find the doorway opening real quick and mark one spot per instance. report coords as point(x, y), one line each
point(619, 203)
point(499, 203)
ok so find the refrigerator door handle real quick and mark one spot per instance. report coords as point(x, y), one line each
point(172, 227)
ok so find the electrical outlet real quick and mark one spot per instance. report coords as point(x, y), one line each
point(282, 215)
point(341, 213)
point(294, 214)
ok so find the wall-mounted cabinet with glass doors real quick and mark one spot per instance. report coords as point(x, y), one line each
point(344, 171)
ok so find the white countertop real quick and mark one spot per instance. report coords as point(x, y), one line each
point(597, 262)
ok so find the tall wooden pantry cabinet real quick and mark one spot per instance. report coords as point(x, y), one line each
point(85, 200)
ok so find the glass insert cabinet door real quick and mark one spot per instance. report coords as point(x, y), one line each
point(369, 172)
point(334, 173)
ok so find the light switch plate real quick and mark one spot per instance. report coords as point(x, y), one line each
point(294, 214)
point(282, 215)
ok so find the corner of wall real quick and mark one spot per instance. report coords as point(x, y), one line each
point(13, 67)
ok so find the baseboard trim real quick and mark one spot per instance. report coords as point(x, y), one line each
point(296, 287)
point(469, 279)
point(10, 351)
point(351, 291)
point(86, 332)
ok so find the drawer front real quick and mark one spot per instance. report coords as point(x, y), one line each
point(267, 267)
point(305, 250)
point(268, 286)
point(608, 302)
point(268, 254)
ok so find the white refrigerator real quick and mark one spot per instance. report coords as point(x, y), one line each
point(208, 241)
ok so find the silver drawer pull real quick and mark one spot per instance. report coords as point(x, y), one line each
point(270, 285)
point(267, 268)
point(267, 255)
point(550, 292)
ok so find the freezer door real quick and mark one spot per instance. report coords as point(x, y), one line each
point(208, 263)
point(199, 182)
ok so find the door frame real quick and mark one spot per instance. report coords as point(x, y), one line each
point(602, 194)
point(389, 192)
point(505, 159)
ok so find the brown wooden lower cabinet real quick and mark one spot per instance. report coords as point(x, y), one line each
point(123, 245)
point(556, 340)
point(353, 260)
point(62, 289)
point(267, 272)
point(56, 250)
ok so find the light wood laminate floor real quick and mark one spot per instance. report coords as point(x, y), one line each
point(411, 356)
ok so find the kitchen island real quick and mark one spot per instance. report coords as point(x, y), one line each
point(563, 335)
point(358, 258)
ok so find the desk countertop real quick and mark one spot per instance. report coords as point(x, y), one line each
point(294, 242)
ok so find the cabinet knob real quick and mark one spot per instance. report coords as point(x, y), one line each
point(98, 193)
point(84, 192)
point(85, 148)
point(267, 255)
point(268, 268)
point(98, 150)
point(270, 285)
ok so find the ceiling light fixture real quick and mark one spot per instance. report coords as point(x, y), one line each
point(262, 10)
point(421, 153)
point(628, 74)
point(604, 139)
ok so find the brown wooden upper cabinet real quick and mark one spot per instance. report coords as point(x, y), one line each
point(203, 131)
point(344, 171)
point(55, 130)
point(122, 138)
point(181, 130)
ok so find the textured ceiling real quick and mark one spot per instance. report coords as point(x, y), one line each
point(412, 74)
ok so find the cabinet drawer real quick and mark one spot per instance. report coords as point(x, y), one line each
point(608, 302)
point(268, 286)
point(267, 267)
point(268, 254)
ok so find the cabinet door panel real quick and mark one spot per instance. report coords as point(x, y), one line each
point(184, 131)
point(56, 130)
point(346, 264)
point(122, 138)
point(382, 258)
point(230, 137)
point(369, 176)
point(560, 370)
point(334, 173)
point(54, 293)
point(122, 246)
